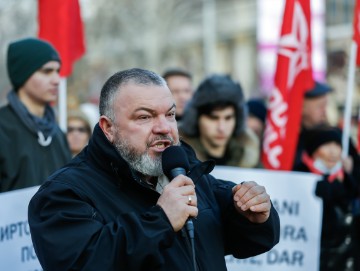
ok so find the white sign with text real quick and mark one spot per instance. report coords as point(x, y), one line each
point(16, 249)
point(292, 195)
point(300, 212)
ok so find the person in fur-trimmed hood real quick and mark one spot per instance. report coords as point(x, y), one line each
point(214, 124)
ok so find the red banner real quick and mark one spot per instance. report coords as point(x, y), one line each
point(358, 133)
point(60, 23)
point(356, 36)
point(293, 77)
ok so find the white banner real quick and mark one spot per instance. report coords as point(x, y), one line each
point(292, 195)
point(16, 249)
point(300, 212)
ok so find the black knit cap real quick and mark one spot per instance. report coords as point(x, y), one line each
point(26, 56)
point(320, 135)
point(257, 108)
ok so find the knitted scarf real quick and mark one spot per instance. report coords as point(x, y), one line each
point(44, 127)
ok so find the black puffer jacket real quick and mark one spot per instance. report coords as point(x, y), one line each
point(94, 214)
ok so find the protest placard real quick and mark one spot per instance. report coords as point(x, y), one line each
point(300, 213)
point(16, 249)
point(292, 195)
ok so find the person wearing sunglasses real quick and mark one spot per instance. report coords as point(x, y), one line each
point(78, 131)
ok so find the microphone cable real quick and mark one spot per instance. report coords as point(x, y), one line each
point(175, 162)
point(190, 231)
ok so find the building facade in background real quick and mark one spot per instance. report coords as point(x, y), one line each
point(202, 36)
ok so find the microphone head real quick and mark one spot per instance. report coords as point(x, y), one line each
point(174, 157)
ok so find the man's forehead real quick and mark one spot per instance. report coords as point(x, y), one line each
point(178, 78)
point(141, 95)
point(316, 100)
point(222, 109)
point(134, 88)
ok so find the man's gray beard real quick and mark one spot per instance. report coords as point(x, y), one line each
point(141, 162)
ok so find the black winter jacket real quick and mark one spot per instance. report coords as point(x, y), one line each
point(23, 161)
point(95, 214)
point(336, 197)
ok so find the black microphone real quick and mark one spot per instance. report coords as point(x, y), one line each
point(175, 162)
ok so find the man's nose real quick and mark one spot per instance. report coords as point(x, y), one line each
point(55, 78)
point(221, 125)
point(161, 125)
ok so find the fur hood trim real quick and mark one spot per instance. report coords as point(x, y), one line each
point(216, 88)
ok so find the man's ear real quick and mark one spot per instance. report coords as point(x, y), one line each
point(107, 127)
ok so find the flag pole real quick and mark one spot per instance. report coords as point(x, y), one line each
point(62, 104)
point(348, 103)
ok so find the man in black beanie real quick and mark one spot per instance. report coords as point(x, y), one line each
point(32, 145)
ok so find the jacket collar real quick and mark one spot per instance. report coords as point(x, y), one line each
point(105, 155)
point(197, 168)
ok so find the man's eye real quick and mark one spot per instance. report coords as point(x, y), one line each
point(46, 71)
point(171, 114)
point(144, 117)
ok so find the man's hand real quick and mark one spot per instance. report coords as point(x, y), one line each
point(348, 164)
point(179, 201)
point(251, 200)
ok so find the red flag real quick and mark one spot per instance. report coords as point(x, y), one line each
point(358, 133)
point(356, 36)
point(60, 23)
point(293, 77)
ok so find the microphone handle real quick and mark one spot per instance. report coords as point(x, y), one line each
point(189, 223)
point(176, 172)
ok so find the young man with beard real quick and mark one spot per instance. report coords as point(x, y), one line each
point(112, 208)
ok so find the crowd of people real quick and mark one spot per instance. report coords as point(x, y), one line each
point(108, 183)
